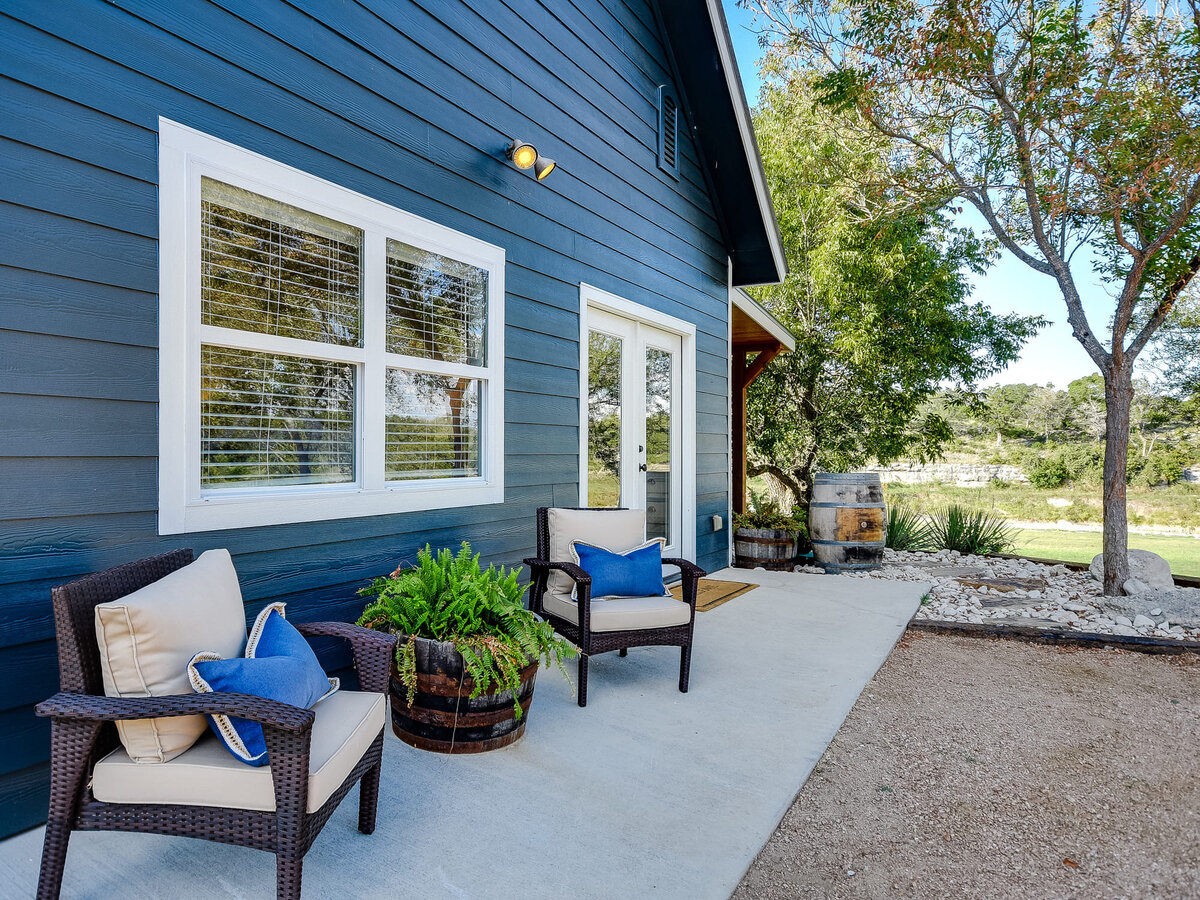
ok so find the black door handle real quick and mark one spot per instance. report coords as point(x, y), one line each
point(642, 467)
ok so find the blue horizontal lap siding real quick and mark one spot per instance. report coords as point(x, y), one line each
point(410, 103)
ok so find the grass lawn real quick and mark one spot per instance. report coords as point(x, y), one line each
point(1183, 553)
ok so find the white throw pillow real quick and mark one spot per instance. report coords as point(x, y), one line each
point(147, 638)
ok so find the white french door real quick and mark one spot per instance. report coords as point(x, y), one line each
point(633, 425)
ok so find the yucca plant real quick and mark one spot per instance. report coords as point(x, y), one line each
point(969, 531)
point(449, 597)
point(907, 529)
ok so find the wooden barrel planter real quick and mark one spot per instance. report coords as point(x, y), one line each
point(848, 521)
point(443, 716)
point(770, 548)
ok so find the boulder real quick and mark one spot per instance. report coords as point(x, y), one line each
point(1148, 568)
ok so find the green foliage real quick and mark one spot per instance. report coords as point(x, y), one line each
point(1047, 473)
point(762, 512)
point(879, 305)
point(449, 597)
point(1163, 465)
point(907, 529)
point(1072, 128)
point(969, 531)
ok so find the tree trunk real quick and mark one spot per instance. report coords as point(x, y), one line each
point(1118, 395)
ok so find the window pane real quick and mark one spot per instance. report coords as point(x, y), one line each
point(604, 419)
point(267, 419)
point(275, 269)
point(658, 443)
point(432, 426)
point(436, 306)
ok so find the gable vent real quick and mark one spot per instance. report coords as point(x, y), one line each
point(668, 130)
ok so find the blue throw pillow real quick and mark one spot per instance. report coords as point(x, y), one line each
point(279, 665)
point(635, 573)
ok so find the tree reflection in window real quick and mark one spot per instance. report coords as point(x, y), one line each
point(436, 306)
point(268, 419)
point(271, 268)
point(432, 426)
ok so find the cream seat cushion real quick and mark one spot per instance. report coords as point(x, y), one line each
point(148, 637)
point(618, 530)
point(346, 724)
point(621, 613)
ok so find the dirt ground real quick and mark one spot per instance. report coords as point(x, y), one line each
point(998, 769)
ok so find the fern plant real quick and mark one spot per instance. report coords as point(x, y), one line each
point(449, 597)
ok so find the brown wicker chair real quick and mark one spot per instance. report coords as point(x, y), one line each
point(82, 732)
point(574, 620)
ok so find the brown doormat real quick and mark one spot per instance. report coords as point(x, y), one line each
point(713, 593)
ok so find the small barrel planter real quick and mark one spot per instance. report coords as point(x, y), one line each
point(770, 548)
point(847, 519)
point(443, 717)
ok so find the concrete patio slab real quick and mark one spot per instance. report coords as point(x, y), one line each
point(646, 792)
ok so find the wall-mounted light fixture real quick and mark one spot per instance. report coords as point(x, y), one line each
point(525, 156)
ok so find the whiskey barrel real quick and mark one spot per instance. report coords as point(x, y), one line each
point(848, 521)
point(443, 716)
point(770, 548)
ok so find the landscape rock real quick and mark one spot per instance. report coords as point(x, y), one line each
point(1144, 566)
point(1134, 586)
point(1143, 622)
point(1001, 591)
point(1180, 606)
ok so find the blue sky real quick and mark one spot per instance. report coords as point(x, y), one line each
point(1009, 286)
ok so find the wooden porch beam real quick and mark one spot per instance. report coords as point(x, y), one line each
point(744, 372)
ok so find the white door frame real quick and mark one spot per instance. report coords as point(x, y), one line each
point(591, 297)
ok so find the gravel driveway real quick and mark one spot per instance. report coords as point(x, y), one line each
point(998, 769)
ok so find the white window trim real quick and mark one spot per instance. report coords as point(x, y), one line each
point(185, 155)
point(594, 298)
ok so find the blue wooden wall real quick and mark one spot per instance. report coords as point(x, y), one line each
point(408, 101)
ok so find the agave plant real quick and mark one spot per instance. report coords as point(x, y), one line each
point(969, 531)
point(907, 529)
point(449, 597)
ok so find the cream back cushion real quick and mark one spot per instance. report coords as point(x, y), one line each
point(147, 638)
point(618, 530)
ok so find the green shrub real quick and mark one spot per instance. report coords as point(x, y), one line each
point(762, 512)
point(907, 529)
point(1047, 473)
point(969, 531)
point(1163, 465)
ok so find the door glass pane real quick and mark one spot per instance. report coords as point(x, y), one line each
point(658, 443)
point(604, 419)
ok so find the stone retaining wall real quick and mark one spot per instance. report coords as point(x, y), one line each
point(962, 474)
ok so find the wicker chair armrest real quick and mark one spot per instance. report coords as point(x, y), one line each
point(373, 650)
point(574, 572)
point(688, 569)
point(89, 707)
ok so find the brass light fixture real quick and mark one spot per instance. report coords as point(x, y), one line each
point(524, 155)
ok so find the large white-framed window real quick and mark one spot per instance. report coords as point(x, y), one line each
point(322, 355)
